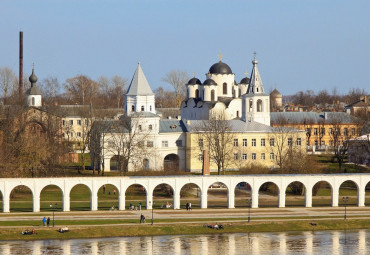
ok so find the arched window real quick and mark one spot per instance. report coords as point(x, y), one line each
point(33, 101)
point(150, 127)
point(225, 88)
point(142, 108)
point(197, 93)
point(133, 108)
point(146, 163)
point(237, 114)
point(259, 105)
point(212, 95)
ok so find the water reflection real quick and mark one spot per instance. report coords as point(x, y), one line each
point(331, 242)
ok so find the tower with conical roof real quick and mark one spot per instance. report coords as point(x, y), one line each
point(34, 96)
point(256, 103)
point(139, 96)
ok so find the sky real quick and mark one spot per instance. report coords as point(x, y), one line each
point(300, 44)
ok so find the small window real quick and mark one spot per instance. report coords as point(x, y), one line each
point(33, 101)
point(235, 142)
point(345, 131)
point(244, 142)
point(244, 156)
point(200, 143)
point(353, 131)
point(142, 108)
point(179, 143)
point(263, 157)
point(235, 156)
point(200, 157)
point(63, 122)
point(289, 141)
point(254, 143)
point(263, 142)
point(71, 122)
point(133, 108)
point(78, 134)
point(79, 122)
point(140, 128)
point(225, 88)
point(272, 156)
point(149, 144)
point(315, 131)
point(141, 144)
point(299, 141)
point(330, 131)
point(150, 127)
point(272, 142)
point(164, 143)
point(254, 156)
point(323, 131)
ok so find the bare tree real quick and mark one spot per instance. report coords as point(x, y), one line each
point(215, 134)
point(81, 89)
point(50, 88)
point(7, 82)
point(177, 79)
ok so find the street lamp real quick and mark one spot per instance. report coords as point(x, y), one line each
point(150, 203)
point(345, 199)
point(53, 208)
point(249, 202)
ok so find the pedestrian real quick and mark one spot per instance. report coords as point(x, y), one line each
point(44, 221)
point(108, 192)
point(142, 218)
point(130, 206)
point(48, 221)
point(187, 206)
point(103, 189)
point(139, 206)
point(114, 192)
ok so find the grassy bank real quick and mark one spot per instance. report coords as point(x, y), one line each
point(182, 228)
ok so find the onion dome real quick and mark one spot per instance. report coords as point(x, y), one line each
point(194, 81)
point(276, 93)
point(33, 77)
point(209, 82)
point(220, 68)
point(245, 80)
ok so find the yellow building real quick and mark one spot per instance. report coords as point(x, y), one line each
point(244, 144)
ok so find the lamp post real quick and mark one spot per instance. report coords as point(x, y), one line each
point(345, 199)
point(53, 208)
point(249, 202)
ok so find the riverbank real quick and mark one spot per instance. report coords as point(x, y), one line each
point(181, 228)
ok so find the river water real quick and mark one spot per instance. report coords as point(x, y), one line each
point(325, 242)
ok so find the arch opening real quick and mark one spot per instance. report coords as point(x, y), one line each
point(243, 195)
point(163, 197)
point(217, 195)
point(116, 163)
point(268, 195)
point(21, 199)
point(108, 197)
point(321, 194)
point(348, 189)
point(135, 196)
point(80, 198)
point(295, 195)
point(190, 194)
point(51, 198)
point(259, 105)
point(171, 162)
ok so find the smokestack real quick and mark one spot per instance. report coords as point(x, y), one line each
point(20, 63)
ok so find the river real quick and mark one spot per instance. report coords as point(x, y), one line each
point(318, 242)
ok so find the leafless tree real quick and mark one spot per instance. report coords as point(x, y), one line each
point(177, 79)
point(50, 88)
point(113, 90)
point(7, 82)
point(81, 89)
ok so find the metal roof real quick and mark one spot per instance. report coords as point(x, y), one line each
point(168, 126)
point(311, 117)
point(139, 85)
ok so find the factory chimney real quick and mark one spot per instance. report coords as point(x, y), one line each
point(20, 64)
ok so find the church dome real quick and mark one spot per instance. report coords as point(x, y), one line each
point(194, 81)
point(220, 68)
point(245, 80)
point(33, 77)
point(276, 93)
point(209, 82)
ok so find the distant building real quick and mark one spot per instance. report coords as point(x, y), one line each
point(276, 101)
point(359, 150)
point(360, 108)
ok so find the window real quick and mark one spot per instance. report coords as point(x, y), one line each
point(263, 142)
point(272, 142)
point(244, 156)
point(353, 131)
point(323, 131)
point(235, 156)
point(200, 157)
point(254, 142)
point(263, 157)
point(150, 127)
point(63, 122)
point(197, 93)
point(71, 122)
point(315, 131)
point(79, 122)
point(141, 144)
point(78, 134)
point(316, 143)
point(272, 156)
point(140, 128)
point(142, 108)
point(289, 141)
point(322, 143)
point(179, 143)
point(133, 108)
point(200, 143)
point(345, 131)
point(225, 88)
point(330, 131)
point(235, 142)
point(244, 142)
point(164, 143)
point(149, 144)
point(299, 141)
point(33, 101)
point(146, 163)
point(254, 156)
point(212, 95)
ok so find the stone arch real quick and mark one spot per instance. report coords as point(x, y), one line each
point(107, 196)
point(171, 162)
point(259, 105)
point(80, 197)
point(116, 162)
point(295, 194)
point(21, 199)
point(367, 194)
point(190, 193)
point(243, 194)
point(268, 195)
point(217, 195)
point(136, 193)
point(163, 193)
point(322, 194)
point(350, 189)
point(52, 195)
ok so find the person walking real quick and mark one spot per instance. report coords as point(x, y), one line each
point(139, 206)
point(187, 206)
point(48, 221)
point(114, 192)
point(103, 189)
point(44, 221)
